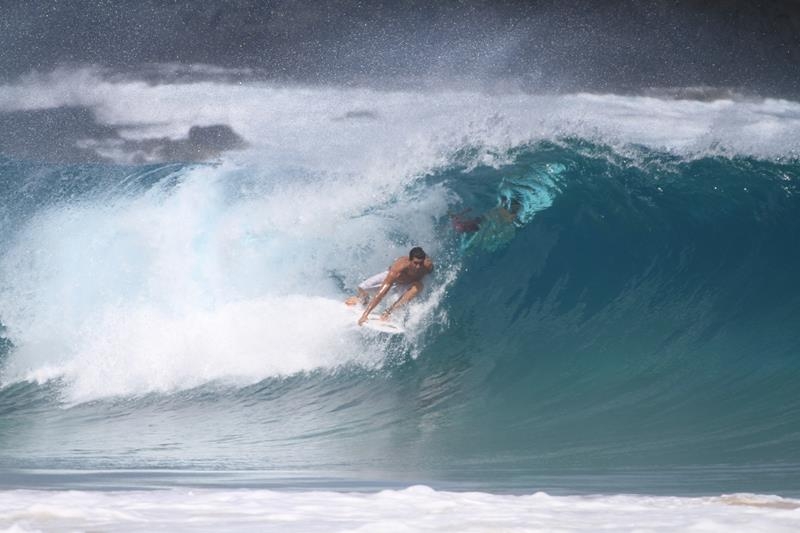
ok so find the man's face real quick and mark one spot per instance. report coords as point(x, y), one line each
point(417, 263)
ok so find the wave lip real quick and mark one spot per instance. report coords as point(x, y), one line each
point(91, 115)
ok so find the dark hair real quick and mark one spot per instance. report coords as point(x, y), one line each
point(416, 253)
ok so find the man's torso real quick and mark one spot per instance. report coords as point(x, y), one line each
point(407, 272)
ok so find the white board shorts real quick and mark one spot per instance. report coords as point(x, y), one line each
point(373, 283)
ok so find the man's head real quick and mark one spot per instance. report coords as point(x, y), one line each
point(417, 255)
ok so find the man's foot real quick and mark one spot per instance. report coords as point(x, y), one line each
point(353, 300)
point(385, 315)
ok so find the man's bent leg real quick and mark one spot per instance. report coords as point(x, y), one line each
point(372, 283)
point(362, 297)
point(412, 291)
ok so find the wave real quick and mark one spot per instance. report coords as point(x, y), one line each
point(637, 311)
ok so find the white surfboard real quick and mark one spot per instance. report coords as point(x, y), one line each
point(375, 323)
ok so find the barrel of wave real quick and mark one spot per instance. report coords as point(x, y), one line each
point(518, 200)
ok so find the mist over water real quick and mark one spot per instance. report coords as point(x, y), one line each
point(542, 45)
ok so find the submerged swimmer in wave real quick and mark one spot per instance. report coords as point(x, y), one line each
point(405, 274)
point(505, 213)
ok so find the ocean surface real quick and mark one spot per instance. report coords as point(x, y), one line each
point(623, 354)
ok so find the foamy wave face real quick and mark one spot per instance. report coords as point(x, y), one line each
point(142, 349)
point(227, 274)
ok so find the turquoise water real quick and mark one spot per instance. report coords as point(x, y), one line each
point(634, 331)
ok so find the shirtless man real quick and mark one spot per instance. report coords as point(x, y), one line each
point(405, 274)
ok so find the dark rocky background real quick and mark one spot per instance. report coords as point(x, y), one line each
point(613, 45)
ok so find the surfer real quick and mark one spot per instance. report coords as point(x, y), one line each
point(462, 224)
point(405, 274)
point(504, 213)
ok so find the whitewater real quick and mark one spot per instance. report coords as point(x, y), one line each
point(624, 356)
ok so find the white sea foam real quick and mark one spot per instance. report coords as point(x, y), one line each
point(414, 509)
point(361, 129)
